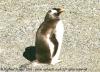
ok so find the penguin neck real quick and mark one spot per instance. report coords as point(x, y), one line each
point(51, 23)
point(51, 20)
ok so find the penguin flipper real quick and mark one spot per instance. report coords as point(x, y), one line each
point(55, 42)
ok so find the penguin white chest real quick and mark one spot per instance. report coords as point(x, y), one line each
point(59, 30)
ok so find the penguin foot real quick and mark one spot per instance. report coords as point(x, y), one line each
point(55, 62)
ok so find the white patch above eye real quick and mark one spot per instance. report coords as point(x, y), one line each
point(53, 11)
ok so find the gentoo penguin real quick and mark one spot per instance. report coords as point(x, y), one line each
point(49, 37)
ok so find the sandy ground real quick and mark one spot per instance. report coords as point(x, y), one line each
point(19, 20)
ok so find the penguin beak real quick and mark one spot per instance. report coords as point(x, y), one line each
point(61, 10)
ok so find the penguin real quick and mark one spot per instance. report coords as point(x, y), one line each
point(49, 38)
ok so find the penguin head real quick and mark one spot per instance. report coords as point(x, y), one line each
point(53, 14)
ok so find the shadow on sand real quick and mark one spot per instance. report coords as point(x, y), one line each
point(29, 53)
